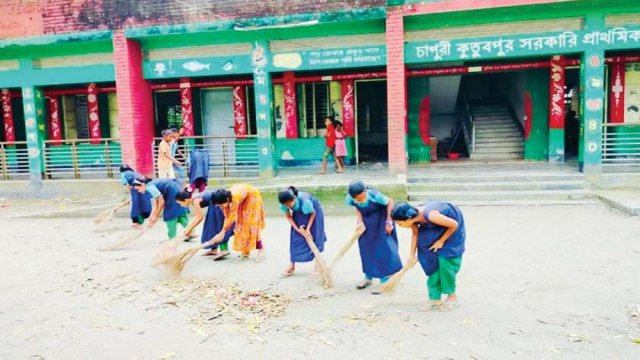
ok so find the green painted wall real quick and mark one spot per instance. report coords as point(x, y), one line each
point(291, 152)
point(537, 84)
point(418, 87)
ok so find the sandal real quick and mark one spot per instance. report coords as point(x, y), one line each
point(364, 284)
point(377, 290)
point(448, 306)
point(211, 253)
point(189, 237)
point(221, 256)
point(431, 306)
point(286, 274)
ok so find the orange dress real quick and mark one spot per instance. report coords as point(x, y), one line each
point(247, 211)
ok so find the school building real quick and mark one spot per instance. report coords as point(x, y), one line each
point(87, 85)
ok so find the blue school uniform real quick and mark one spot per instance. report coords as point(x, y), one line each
point(378, 251)
point(213, 221)
point(305, 205)
point(168, 188)
point(199, 166)
point(140, 203)
point(428, 234)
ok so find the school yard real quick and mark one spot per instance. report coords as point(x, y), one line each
point(552, 282)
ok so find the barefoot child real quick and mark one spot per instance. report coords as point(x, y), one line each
point(140, 203)
point(379, 242)
point(163, 192)
point(212, 222)
point(438, 237)
point(242, 205)
point(305, 215)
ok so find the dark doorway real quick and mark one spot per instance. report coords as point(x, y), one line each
point(168, 110)
point(572, 119)
point(371, 115)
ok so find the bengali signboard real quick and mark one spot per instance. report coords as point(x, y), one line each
point(330, 58)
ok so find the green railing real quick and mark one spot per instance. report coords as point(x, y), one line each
point(82, 159)
point(621, 147)
point(228, 156)
point(14, 160)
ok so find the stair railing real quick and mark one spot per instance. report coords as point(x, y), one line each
point(468, 123)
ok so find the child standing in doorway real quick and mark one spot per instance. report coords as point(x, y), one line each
point(341, 146)
point(165, 161)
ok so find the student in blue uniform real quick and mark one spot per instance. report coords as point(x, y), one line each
point(305, 215)
point(212, 222)
point(379, 242)
point(163, 192)
point(140, 203)
point(439, 240)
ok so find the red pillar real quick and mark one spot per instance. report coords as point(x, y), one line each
point(348, 109)
point(290, 105)
point(135, 105)
point(240, 112)
point(186, 106)
point(396, 91)
point(7, 117)
point(94, 114)
point(616, 93)
point(556, 98)
point(53, 120)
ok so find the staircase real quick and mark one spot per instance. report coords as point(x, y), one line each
point(500, 183)
point(497, 137)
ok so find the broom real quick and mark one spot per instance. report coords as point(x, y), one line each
point(107, 215)
point(174, 260)
point(129, 237)
point(390, 285)
point(359, 231)
point(322, 265)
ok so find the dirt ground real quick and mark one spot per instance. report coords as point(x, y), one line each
point(554, 282)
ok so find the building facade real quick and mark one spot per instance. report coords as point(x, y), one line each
point(89, 84)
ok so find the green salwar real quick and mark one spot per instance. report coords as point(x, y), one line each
point(172, 225)
point(443, 280)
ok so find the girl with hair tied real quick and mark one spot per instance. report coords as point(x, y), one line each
point(140, 203)
point(438, 238)
point(304, 213)
point(379, 242)
point(242, 204)
point(212, 222)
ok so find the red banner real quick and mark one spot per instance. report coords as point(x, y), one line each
point(7, 117)
point(94, 114)
point(291, 109)
point(53, 120)
point(424, 120)
point(348, 112)
point(240, 111)
point(556, 93)
point(186, 106)
point(616, 93)
point(528, 115)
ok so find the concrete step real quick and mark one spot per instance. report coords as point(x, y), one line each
point(500, 130)
point(585, 202)
point(488, 127)
point(498, 186)
point(497, 149)
point(433, 177)
point(534, 195)
point(492, 137)
point(499, 156)
point(500, 142)
point(494, 122)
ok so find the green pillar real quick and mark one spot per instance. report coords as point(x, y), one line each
point(592, 73)
point(264, 109)
point(33, 102)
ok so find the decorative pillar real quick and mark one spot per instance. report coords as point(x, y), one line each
point(33, 102)
point(93, 114)
point(240, 112)
point(53, 120)
point(592, 70)
point(290, 106)
point(264, 108)
point(135, 105)
point(348, 109)
point(7, 117)
point(396, 91)
point(556, 109)
point(616, 93)
point(186, 106)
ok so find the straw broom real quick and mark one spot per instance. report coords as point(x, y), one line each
point(359, 231)
point(322, 265)
point(390, 285)
point(107, 215)
point(173, 260)
point(129, 237)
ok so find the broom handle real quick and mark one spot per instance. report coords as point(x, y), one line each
point(346, 247)
point(124, 203)
point(319, 259)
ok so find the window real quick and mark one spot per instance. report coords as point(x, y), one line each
point(75, 116)
point(317, 106)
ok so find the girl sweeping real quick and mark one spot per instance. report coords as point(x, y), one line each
point(163, 192)
point(140, 203)
point(242, 205)
point(305, 215)
point(212, 222)
point(379, 242)
point(438, 238)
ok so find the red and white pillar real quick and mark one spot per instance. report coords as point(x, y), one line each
point(396, 91)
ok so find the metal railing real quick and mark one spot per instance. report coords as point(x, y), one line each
point(468, 123)
point(82, 158)
point(228, 156)
point(14, 160)
point(621, 146)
